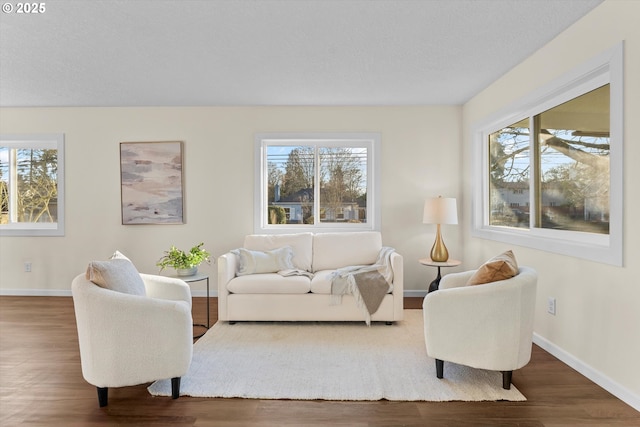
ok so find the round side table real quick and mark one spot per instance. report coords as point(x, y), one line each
point(196, 278)
point(448, 263)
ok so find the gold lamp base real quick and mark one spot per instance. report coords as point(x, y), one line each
point(439, 252)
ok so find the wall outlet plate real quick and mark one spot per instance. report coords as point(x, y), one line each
point(551, 305)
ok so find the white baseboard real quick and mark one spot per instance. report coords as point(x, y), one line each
point(594, 375)
point(36, 292)
point(196, 293)
point(67, 293)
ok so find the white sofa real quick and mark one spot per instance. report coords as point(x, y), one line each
point(272, 297)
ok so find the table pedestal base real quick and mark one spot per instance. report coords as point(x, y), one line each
point(433, 286)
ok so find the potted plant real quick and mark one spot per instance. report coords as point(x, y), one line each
point(185, 263)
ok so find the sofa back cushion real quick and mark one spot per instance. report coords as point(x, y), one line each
point(337, 250)
point(260, 262)
point(301, 243)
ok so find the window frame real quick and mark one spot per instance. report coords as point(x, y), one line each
point(605, 68)
point(344, 139)
point(48, 141)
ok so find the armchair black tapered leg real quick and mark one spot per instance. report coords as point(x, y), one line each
point(506, 379)
point(175, 387)
point(439, 368)
point(103, 396)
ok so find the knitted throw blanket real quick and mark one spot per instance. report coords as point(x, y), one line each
point(367, 283)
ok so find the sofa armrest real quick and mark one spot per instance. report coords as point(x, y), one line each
point(227, 267)
point(455, 280)
point(167, 288)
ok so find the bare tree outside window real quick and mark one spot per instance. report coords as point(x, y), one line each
point(343, 184)
point(572, 178)
point(32, 185)
point(33, 173)
point(298, 175)
point(510, 166)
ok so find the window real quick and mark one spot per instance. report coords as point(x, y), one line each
point(571, 176)
point(32, 185)
point(552, 173)
point(316, 182)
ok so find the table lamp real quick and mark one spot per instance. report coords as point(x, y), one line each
point(440, 211)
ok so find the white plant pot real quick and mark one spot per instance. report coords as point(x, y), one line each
point(187, 271)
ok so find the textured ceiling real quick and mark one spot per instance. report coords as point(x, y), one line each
point(270, 52)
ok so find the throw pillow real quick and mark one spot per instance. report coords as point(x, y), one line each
point(119, 255)
point(501, 267)
point(259, 262)
point(118, 275)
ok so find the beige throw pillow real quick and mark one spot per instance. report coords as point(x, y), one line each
point(501, 267)
point(259, 262)
point(118, 275)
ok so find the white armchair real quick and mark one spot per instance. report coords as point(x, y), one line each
point(131, 339)
point(487, 326)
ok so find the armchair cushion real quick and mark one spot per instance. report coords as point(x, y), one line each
point(117, 274)
point(119, 255)
point(501, 267)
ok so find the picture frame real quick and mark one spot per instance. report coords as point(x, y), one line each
point(151, 182)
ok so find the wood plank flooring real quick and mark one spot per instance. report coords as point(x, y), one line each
point(41, 384)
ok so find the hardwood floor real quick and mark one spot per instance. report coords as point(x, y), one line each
point(41, 384)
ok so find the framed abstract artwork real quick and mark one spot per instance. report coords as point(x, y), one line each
point(151, 182)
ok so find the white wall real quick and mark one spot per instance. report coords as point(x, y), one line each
point(597, 326)
point(420, 158)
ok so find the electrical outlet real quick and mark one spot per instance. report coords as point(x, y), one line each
point(551, 305)
point(27, 267)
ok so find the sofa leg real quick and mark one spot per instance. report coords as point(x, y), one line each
point(103, 396)
point(439, 368)
point(506, 379)
point(231, 322)
point(175, 387)
point(388, 323)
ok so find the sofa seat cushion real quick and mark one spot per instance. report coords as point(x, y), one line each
point(270, 283)
point(321, 282)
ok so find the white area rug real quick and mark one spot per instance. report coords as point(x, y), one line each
point(328, 361)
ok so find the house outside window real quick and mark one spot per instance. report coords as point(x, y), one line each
point(32, 185)
point(316, 182)
point(552, 171)
point(571, 175)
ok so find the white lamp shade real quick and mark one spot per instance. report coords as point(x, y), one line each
point(440, 210)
